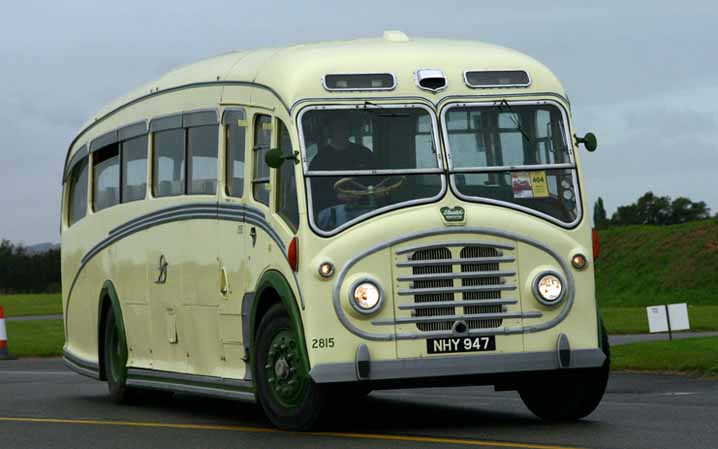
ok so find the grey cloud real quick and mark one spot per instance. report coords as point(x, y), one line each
point(633, 70)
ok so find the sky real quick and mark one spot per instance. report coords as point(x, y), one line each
point(641, 75)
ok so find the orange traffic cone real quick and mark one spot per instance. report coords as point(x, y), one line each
point(4, 353)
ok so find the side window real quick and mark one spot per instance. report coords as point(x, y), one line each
point(287, 206)
point(262, 141)
point(235, 158)
point(134, 169)
point(202, 155)
point(106, 177)
point(169, 162)
point(78, 192)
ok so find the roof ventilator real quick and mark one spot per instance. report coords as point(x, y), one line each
point(432, 80)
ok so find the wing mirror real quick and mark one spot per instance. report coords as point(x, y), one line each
point(275, 158)
point(589, 141)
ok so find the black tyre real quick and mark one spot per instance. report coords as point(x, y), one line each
point(571, 395)
point(115, 360)
point(289, 397)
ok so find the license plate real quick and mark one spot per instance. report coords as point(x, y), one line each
point(460, 344)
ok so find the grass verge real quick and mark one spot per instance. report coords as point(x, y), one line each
point(42, 338)
point(633, 320)
point(698, 356)
point(32, 304)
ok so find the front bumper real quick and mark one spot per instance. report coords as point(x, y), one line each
point(433, 367)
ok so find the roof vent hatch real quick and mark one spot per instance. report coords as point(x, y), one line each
point(432, 80)
point(395, 36)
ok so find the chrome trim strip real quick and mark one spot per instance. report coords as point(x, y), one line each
point(470, 260)
point(307, 177)
point(80, 365)
point(449, 366)
point(170, 376)
point(476, 317)
point(409, 249)
point(80, 370)
point(361, 89)
point(477, 288)
point(569, 142)
point(514, 168)
point(494, 86)
point(457, 303)
point(216, 392)
point(461, 275)
point(189, 383)
point(408, 171)
point(344, 319)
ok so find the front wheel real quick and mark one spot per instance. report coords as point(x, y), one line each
point(568, 396)
point(289, 397)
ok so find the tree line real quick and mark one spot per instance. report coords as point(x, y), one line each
point(653, 210)
point(22, 271)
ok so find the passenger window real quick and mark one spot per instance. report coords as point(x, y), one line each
point(134, 169)
point(202, 154)
point(235, 159)
point(286, 185)
point(106, 177)
point(78, 192)
point(169, 163)
point(262, 141)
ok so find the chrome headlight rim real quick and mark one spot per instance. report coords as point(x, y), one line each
point(537, 294)
point(355, 306)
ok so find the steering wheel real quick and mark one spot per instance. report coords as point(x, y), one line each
point(352, 189)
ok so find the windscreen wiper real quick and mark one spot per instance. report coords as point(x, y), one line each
point(504, 106)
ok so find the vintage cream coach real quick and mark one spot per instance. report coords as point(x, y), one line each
point(282, 225)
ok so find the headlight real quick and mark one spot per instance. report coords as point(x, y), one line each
point(549, 288)
point(366, 297)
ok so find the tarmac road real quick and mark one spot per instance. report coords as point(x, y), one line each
point(42, 405)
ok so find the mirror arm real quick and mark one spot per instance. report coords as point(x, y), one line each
point(292, 157)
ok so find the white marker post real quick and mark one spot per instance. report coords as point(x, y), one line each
point(668, 318)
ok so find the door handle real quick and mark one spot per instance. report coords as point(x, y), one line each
point(253, 234)
point(224, 282)
point(162, 267)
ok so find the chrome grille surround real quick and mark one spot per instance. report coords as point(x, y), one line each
point(466, 276)
point(383, 332)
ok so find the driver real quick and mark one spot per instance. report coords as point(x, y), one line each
point(338, 154)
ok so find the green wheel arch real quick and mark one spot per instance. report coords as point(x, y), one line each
point(274, 280)
point(108, 293)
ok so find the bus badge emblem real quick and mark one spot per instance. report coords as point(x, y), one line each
point(454, 215)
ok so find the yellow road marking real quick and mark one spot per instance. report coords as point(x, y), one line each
point(366, 436)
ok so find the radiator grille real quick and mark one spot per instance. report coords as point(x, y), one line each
point(476, 252)
point(433, 254)
point(445, 277)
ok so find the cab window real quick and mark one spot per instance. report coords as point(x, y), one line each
point(235, 158)
point(287, 206)
point(260, 175)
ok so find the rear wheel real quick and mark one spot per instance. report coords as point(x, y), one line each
point(115, 360)
point(568, 396)
point(289, 397)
